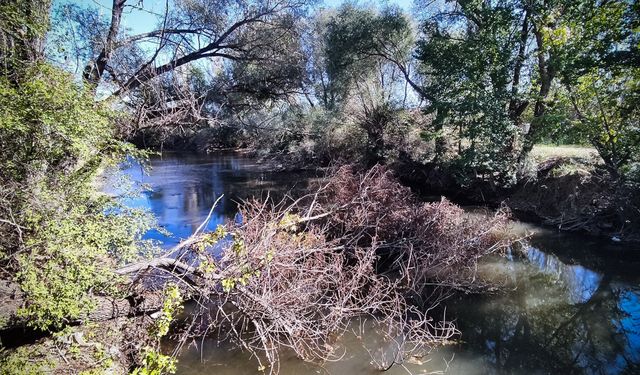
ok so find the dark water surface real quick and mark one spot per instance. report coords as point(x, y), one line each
point(570, 304)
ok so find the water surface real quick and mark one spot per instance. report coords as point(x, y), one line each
point(180, 189)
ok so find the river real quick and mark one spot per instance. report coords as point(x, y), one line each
point(568, 303)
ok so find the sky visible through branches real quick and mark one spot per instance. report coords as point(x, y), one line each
point(145, 19)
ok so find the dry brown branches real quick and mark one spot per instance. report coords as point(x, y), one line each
point(295, 274)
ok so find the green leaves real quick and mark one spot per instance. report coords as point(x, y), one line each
point(469, 59)
point(598, 66)
point(56, 141)
point(171, 306)
point(50, 123)
point(484, 62)
point(357, 40)
point(155, 363)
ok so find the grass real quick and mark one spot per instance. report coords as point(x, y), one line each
point(565, 159)
point(542, 153)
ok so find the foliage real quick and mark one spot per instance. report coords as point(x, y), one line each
point(22, 28)
point(597, 61)
point(503, 75)
point(64, 238)
point(272, 71)
point(171, 306)
point(469, 58)
point(356, 44)
point(25, 361)
point(155, 363)
point(606, 106)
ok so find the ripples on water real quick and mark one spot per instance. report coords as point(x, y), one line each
point(571, 305)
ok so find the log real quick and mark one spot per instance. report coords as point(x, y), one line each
point(167, 263)
point(107, 308)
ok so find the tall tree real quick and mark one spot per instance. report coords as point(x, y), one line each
point(359, 68)
point(472, 55)
point(193, 31)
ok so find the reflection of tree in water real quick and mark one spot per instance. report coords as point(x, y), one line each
point(184, 187)
point(536, 328)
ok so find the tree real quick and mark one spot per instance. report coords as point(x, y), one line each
point(493, 70)
point(358, 44)
point(23, 26)
point(472, 56)
point(58, 238)
point(192, 31)
point(354, 71)
point(247, 55)
point(596, 46)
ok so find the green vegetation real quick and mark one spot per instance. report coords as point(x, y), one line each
point(155, 363)
point(60, 239)
point(469, 86)
point(64, 238)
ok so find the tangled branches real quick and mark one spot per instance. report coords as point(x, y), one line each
point(295, 274)
point(435, 243)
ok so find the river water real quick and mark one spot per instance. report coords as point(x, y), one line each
point(568, 303)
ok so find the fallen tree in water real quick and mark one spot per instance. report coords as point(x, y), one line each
point(295, 273)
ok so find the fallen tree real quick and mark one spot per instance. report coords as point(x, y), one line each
point(295, 273)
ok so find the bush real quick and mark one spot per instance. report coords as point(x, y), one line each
point(60, 238)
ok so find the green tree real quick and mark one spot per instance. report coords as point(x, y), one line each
point(358, 45)
point(59, 237)
point(496, 74)
point(23, 25)
point(596, 48)
point(357, 70)
point(472, 56)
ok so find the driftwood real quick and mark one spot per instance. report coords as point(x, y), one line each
point(166, 263)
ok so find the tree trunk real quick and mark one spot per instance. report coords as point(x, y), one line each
point(95, 68)
point(547, 74)
point(107, 308)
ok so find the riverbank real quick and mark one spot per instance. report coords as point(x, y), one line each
point(565, 188)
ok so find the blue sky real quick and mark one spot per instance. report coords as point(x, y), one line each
point(139, 21)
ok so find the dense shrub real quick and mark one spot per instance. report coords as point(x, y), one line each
point(60, 237)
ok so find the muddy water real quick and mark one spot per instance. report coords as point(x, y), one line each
point(568, 304)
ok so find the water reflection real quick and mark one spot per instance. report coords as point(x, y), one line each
point(571, 304)
point(560, 318)
point(184, 187)
point(580, 282)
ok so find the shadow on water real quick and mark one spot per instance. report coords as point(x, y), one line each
point(557, 317)
point(570, 304)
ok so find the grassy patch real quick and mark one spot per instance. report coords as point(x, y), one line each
point(542, 153)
